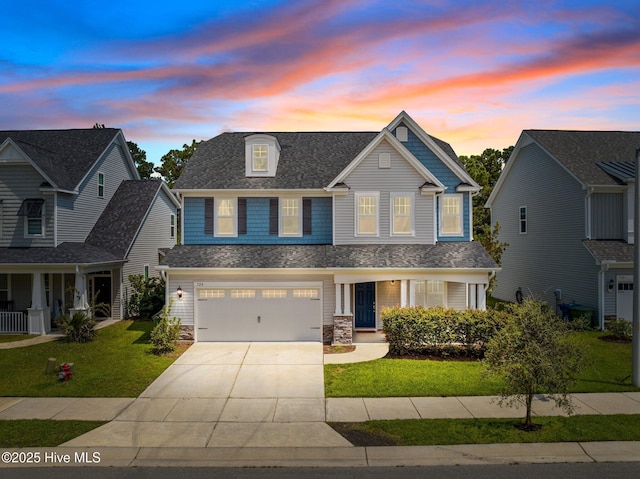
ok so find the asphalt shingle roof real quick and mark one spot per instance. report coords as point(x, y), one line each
point(65, 253)
point(579, 151)
point(65, 156)
point(440, 255)
point(610, 250)
point(119, 223)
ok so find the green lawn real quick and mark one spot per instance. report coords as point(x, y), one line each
point(42, 433)
point(426, 432)
point(9, 338)
point(118, 363)
point(609, 371)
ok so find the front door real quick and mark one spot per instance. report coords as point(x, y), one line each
point(365, 305)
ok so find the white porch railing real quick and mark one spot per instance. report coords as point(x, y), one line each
point(13, 322)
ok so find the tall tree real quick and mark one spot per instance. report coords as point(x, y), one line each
point(144, 167)
point(174, 162)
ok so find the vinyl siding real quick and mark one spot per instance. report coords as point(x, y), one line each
point(257, 224)
point(457, 295)
point(400, 178)
point(184, 308)
point(155, 233)
point(607, 216)
point(78, 213)
point(17, 183)
point(551, 254)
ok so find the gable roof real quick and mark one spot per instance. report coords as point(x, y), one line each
point(118, 226)
point(579, 152)
point(63, 157)
point(308, 160)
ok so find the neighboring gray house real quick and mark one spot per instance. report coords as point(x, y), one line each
point(54, 187)
point(565, 206)
point(291, 236)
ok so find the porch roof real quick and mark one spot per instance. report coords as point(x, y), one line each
point(445, 255)
point(616, 251)
point(65, 253)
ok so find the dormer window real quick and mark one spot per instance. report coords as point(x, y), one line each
point(260, 158)
point(262, 153)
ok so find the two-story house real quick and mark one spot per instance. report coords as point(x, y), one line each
point(308, 235)
point(565, 206)
point(75, 222)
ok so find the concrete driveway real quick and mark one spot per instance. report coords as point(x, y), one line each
point(229, 395)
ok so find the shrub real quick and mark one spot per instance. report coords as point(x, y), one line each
point(147, 297)
point(166, 333)
point(621, 329)
point(439, 331)
point(78, 327)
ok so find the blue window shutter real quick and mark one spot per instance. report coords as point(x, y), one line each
point(273, 216)
point(208, 216)
point(306, 216)
point(242, 216)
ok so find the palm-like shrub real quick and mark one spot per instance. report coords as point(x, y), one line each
point(78, 327)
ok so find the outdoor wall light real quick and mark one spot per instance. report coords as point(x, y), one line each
point(612, 283)
point(179, 291)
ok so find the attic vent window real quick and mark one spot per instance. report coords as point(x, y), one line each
point(402, 133)
point(384, 160)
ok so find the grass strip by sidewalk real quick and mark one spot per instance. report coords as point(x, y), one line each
point(10, 338)
point(431, 432)
point(42, 432)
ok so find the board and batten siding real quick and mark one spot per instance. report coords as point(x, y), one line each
point(551, 255)
point(77, 214)
point(607, 216)
point(154, 234)
point(401, 177)
point(183, 308)
point(17, 183)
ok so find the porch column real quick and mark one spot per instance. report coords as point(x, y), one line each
point(338, 311)
point(347, 299)
point(472, 296)
point(412, 292)
point(482, 297)
point(38, 301)
point(403, 293)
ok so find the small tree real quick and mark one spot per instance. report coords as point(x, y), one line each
point(147, 297)
point(166, 333)
point(533, 354)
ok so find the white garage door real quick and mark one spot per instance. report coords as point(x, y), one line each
point(246, 312)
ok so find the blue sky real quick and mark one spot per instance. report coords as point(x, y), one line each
point(472, 73)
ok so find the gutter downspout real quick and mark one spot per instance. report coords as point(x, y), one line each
point(604, 267)
point(587, 212)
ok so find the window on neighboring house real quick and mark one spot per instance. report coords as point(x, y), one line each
point(4, 287)
point(523, 220)
point(260, 157)
point(451, 215)
point(33, 212)
point(225, 217)
point(1, 217)
point(402, 214)
point(172, 225)
point(100, 185)
point(367, 214)
point(146, 271)
point(430, 293)
point(290, 217)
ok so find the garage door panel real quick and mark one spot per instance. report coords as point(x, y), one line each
point(272, 316)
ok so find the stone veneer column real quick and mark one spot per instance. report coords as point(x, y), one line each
point(342, 329)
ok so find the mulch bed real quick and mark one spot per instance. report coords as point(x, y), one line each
point(614, 339)
point(328, 349)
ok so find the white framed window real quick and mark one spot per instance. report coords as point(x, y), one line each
point(290, 217)
point(243, 293)
point(430, 293)
point(146, 271)
point(367, 213)
point(451, 215)
point(402, 215)
point(259, 157)
point(523, 220)
point(274, 293)
point(172, 225)
point(211, 293)
point(33, 211)
point(306, 293)
point(100, 185)
point(225, 217)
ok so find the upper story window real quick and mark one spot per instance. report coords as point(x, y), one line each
point(225, 217)
point(523, 220)
point(290, 217)
point(451, 215)
point(172, 225)
point(367, 211)
point(33, 212)
point(260, 158)
point(401, 214)
point(100, 185)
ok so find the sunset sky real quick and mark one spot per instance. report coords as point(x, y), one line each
point(473, 73)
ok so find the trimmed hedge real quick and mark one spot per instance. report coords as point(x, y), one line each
point(440, 331)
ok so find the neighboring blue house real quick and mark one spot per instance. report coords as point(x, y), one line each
point(74, 214)
point(565, 206)
point(308, 235)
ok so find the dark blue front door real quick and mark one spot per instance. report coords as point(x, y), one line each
point(365, 299)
